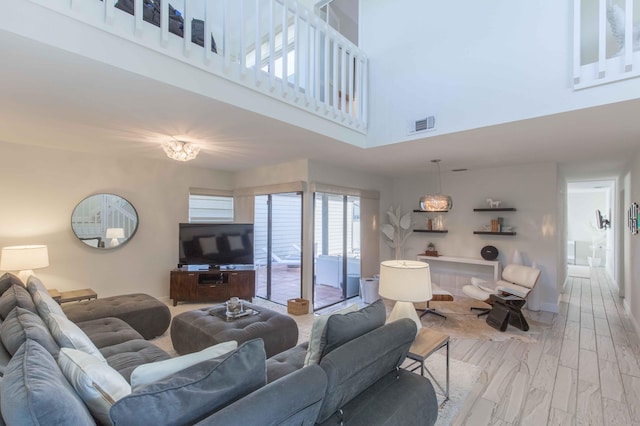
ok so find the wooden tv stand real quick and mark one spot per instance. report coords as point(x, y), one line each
point(213, 285)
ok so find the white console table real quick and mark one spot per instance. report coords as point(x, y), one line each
point(495, 264)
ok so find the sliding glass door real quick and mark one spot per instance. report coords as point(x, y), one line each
point(278, 242)
point(336, 248)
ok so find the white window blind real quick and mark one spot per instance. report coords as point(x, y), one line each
point(210, 208)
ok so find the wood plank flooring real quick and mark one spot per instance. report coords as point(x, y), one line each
point(583, 370)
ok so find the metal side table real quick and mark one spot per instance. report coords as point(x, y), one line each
point(427, 342)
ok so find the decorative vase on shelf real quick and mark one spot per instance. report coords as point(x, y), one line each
point(517, 258)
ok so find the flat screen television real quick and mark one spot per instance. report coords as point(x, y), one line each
point(216, 244)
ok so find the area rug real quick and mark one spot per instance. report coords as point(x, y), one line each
point(578, 271)
point(462, 377)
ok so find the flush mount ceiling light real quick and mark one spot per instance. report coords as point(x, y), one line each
point(436, 202)
point(180, 150)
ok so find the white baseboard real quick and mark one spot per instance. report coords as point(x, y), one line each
point(549, 307)
point(634, 322)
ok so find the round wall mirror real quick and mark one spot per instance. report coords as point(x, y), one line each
point(104, 221)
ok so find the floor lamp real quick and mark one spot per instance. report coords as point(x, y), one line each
point(24, 259)
point(406, 282)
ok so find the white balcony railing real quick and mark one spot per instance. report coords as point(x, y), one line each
point(277, 47)
point(606, 43)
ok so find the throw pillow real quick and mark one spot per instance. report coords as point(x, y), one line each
point(192, 394)
point(152, 372)
point(208, 245)
point(341, 329)
point(22, 324)
point(317, 329)
point(69, 335)
point(7, 280)
point(42, 299)
point(235, 242)
point(16, 295)
point(34, 391)
point(99, 385)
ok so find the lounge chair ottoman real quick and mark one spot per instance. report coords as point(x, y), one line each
point(198, 329)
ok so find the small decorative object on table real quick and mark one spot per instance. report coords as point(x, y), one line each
point(234, 306)
point(431, 250)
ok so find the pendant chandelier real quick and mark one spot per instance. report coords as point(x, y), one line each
point(436, 202)
point(180, 151)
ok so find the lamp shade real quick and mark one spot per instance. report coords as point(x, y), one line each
point(405, 280)
point(115, 233)
point(19, 258)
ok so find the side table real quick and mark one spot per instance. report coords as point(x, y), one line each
point(77, 295)
point(427, 342)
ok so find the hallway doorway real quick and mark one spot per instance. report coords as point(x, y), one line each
point(590, 229)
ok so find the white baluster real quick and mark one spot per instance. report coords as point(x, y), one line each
point(577, 66)
point(188, 17)
point(164, 22)
point(602, 38)
point(628, 36)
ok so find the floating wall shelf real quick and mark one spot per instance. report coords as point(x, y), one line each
point(493, 233)
point(426, 211)
point(434, 231)
point(502, 209)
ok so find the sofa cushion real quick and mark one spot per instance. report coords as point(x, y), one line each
point(146, 374)
point(108, 331)
point(286, 362)
point(317, 330)
point(42, 299)
point(99, 385)
point(22, 324)
point(292, 400)
point(69, 335)
point(16, 295)
point(7, 280)
point(358, 364)
point(342, 328)
point(126, 356)
point(5, 357)
point(399, 398)
point(34, 391)
point(192, 394)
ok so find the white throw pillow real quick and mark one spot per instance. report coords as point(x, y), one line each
point(319, 323)
point(69, 335)
point(235, 242)
point(42, 299)
point(208, 245)
point(149, 373)
point(99, 385)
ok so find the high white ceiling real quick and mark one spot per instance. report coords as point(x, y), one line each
point(58, 99)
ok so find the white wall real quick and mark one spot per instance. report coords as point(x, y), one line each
point(472, 64)
point(41, 187)
point(531, 189)
point(632, 256)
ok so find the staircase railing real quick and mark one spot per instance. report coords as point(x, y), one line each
point(277, 47)
point(606, 43)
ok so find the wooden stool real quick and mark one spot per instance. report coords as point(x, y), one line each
point(427, 342)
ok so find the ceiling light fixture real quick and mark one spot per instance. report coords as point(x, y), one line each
point(436, 202)
point(180, 151)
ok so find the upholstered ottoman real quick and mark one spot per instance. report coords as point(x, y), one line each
point(146, 314)
point(195, 330)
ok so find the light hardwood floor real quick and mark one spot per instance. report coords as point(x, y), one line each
point(584, 368)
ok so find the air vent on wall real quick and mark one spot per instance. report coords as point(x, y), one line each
point(422, 124)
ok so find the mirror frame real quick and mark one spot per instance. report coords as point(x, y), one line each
point(104, 245)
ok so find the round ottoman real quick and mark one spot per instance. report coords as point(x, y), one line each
point(196, 330)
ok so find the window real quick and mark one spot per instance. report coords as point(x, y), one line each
point(210, 208)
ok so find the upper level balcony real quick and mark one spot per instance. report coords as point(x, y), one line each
point(606, 42)
point(276, 47)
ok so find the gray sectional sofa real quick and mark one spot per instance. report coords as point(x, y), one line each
point(356, 381)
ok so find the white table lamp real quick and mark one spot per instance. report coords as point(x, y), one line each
point(114, 234)
point(406, 282)
point(24, 259)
